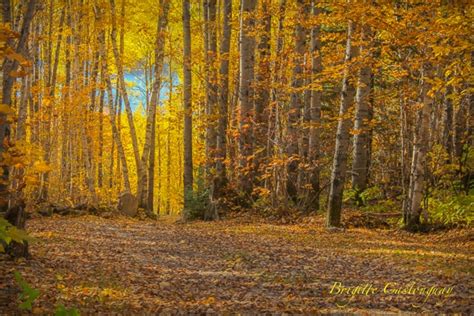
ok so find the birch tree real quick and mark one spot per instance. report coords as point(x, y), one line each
point(361, 140)
point(339, 166)
point(143, 193)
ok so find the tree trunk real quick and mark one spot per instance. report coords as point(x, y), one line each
point(448, 122)
point(187, 101)
point(116, 135)
point(124, 94)
point(262, 97)
point(212, 99)
point(339, 167)
point(52, 91)
point(315, 115)
point(142, 189)
point(221, 141)
point(420, 149)
point(362, 99)
point(65, 159)
point(168, 143)
point(246, 93)
point(16, 210)
point(210, 51)
point(278, 184)
point(112, 116)
point(296, 106)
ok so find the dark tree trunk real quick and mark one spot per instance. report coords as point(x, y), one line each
point(16, 209)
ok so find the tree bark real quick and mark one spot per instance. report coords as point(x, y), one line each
point(168, 143)
point(448, 123)
point(246, 93)
point(262, 97)
point(112, 112)
point(142, 189)
point(52, 91)
point(124, 94)
point(15, 211)
point(187, 101)
point(338, 173)
point(420, 149)
point(362, 99)
point(210, 51)
point(296, 106)
point(314, 146)
point(221, 141)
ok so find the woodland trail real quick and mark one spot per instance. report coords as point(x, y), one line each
point(126, 266)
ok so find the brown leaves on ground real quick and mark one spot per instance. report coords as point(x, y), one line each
point(128, 267)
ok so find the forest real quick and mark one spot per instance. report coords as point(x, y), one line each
point(236, 156)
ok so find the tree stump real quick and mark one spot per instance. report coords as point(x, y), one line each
point(128, 204)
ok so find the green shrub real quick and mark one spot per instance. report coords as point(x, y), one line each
point(382, 206)
point(9, 233)
point(28, 294)
point(363, 197)
point(63, 311)
point(452, 210)
point(196, 204)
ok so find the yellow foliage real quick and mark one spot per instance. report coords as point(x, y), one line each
point(40, 166)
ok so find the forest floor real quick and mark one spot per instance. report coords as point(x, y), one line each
point(126, 266)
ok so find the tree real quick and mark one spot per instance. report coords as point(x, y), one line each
point(187, 101)
point(148, 156)
point(420, 148)
point(221, 141)
point(210, 51)
point(246, 93)
point(314, 146)
point(262, 95)
point(339, 166)
point(124, 94)
point(294, 147)
point(361, 139)
point(15, 210)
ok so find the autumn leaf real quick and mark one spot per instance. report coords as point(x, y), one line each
point(40, 166)
point(18, 73)
point(5, 109)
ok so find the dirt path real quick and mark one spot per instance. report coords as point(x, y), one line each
point(131, 267)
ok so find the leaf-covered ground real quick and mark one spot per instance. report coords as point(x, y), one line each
point(124, 266)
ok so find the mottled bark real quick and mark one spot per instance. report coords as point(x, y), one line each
point(47, 124)
point(168, 143)
point(448, 122)
point(112, 113)
point(339, 167)
point(296, 107)
point(246, 93)
point(314, 146)
point(420, 149)
point(210, 51)
point(221, 141)
point(65, 173)
point(262, 94)
point(123, 92)
point(275, 138)
point(116, 135)
point(143, 188)
point(361, 132)
point(187, 101)
point(16, 210)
